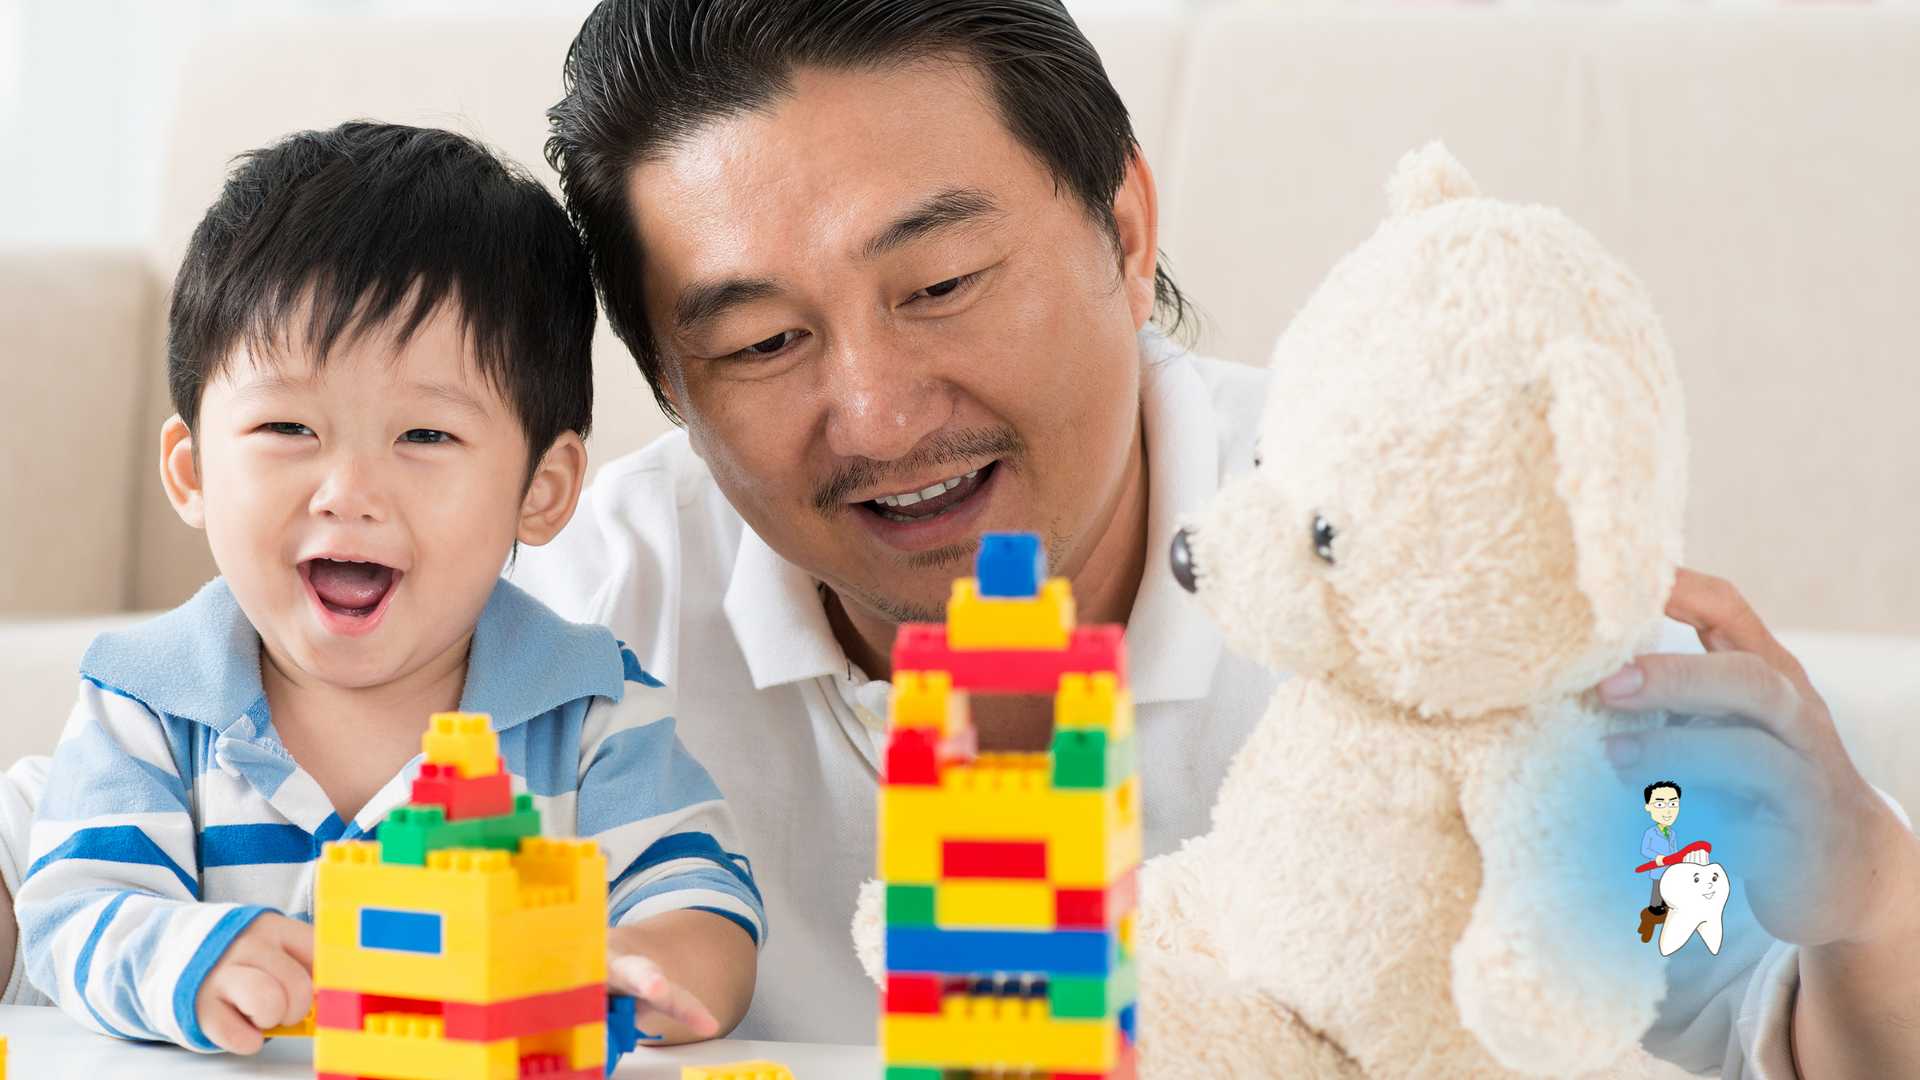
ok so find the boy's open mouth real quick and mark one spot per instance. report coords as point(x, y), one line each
point(348, 587)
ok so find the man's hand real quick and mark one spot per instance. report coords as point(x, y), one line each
point(676, 964)
point(1835, 870)
point(263, 980)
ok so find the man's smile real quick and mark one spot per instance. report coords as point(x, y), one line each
point(931, 501)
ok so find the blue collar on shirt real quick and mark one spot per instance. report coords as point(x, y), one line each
point(201, 661)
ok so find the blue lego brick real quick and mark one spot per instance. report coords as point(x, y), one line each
point(1010, 564)
point(622, 1035)
point(1049, 952)
point(401, 930)
point(1127, 1017)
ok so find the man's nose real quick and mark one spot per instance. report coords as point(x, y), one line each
point(884, 398)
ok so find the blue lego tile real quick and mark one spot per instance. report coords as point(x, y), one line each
point(401, 930)
point(1049, 952)
point(1010, 564)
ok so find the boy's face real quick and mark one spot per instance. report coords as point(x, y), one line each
point(362, 512)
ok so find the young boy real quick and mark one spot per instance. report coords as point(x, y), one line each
point(379, 355)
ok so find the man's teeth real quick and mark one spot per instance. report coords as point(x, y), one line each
point(924, 493)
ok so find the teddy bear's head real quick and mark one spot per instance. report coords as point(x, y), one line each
point(1471, 469)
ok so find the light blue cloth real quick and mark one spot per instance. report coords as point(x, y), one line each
point(173, 816)
point(1654, 845)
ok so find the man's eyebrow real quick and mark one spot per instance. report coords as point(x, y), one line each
point(961, 206)
point(702, 301)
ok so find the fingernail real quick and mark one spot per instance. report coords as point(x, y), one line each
point(1623, 750)
point(1623, 683)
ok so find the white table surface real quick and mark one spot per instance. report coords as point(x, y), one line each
point(43, 1044)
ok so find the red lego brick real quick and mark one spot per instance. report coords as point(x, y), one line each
point(481, 796)
point(912, 993)
point(911, 756)
point(554, 1067)
point(993, 859)
point(480, 1023)
point(1093, 908)
point(923, 647)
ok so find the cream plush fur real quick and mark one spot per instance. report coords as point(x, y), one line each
point(1478, 407)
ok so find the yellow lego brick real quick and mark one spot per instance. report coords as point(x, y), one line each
point(1126, 934)
point(463, 739)
point(976, 904)
point(304, 1028)
point(512, 925)
point(1092, 836)
point(737, 1070)
point(999, 1033)
point(1094, 701)
point(928, 699)
point(412, 1046)
point(3, 1057)
point(980, 622)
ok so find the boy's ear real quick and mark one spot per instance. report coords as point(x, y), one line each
point(554, 491)
point(180, 473)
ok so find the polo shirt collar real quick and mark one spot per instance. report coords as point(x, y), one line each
point(778, 619)
point(201, 661)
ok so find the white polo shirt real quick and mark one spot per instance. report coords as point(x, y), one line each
point(791, 730)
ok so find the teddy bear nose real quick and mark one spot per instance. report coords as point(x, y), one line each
point(1182, 559)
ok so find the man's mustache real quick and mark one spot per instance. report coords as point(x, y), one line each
point(830, 498)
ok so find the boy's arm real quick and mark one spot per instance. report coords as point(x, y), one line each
point(672, 861)
point(695, 970)
point(109, 911)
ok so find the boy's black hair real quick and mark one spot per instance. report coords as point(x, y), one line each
point(1647, 796)
point(645, 74)
point(370, 222)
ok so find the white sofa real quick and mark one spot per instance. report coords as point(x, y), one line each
point(1755, 165)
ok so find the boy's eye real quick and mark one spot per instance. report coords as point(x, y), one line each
point(283, 427)
point(426, 435)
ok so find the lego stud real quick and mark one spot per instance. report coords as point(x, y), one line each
point(1182, 559)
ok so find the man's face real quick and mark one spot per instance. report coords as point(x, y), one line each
point(889, 330)
point(1665, 805)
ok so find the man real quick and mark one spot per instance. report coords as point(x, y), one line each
point(893, 264)
point(1660, 841)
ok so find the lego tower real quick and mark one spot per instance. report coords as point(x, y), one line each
point(462, 945)
point(1010, 876)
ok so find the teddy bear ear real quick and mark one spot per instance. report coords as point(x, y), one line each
point(1427, 177)
point(1622, 475)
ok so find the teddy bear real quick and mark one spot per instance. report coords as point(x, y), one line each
point(1464, 512)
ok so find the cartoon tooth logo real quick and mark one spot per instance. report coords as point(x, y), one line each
point(1695, 892)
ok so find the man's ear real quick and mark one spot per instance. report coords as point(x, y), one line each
point(180, 472)
point(1136, 213)
point(554, 491)
point(1621, 452)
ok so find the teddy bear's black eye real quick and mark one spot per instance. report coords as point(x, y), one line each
point(1323, 535)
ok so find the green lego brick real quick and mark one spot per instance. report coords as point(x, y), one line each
point(910, 905)
point(1084, 998)
point(1082, 758)
point(411, 831)
point(914, 1072)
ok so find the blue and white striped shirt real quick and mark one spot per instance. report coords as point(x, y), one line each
point(173, 816)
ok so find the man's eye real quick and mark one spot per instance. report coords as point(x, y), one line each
point(426, 435)
point(283, 427)
point(943, 288)
point(773, 344)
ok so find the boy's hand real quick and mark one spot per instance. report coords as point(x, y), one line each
point(263, 980)
point(656, 996)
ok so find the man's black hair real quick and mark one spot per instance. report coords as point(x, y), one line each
point(326, 234)
point(1647, 796)
point(645, 74)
